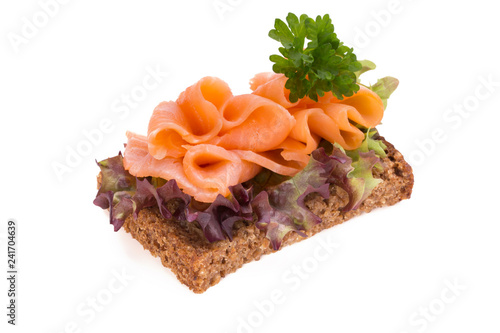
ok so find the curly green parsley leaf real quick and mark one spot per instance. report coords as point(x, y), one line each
point(326, 64)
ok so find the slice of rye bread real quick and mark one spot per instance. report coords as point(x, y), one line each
point(199, 264)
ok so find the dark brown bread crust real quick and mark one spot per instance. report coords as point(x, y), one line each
point(200, 264)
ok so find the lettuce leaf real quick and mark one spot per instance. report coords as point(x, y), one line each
point(281, 209)
point(371, 142)
point(218, 219)
point(366, 65)
point(117, 188)
point(125, 195)
point(384, 88)
point(277, 208)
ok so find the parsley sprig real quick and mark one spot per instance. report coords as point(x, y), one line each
point(326, 64)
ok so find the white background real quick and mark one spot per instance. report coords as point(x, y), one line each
point(389, 267)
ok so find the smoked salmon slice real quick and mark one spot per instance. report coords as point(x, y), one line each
point(272, 86)
point(251, 122)
point(329, 118)
point(194, 118)
point(213, 167)
point(209, 140)
point(206, 170)
point(138, 161)
point(272, 160)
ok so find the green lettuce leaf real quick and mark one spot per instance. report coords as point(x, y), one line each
point(372, 142)
point(363, 160)
point(366, 65)
point(384, 88)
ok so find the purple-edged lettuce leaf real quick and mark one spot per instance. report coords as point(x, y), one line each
point(116, 190)
point(125, 195)
point(279, 206)
point(218, 219)
point(360, 182)
point(170, 192)
point(241, 198)
point(354, 177)
point(353, 170)
point(114, 176)
point(281, 209)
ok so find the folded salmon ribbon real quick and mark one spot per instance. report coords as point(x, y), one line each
point(210, 139)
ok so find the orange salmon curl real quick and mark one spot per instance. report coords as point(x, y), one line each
point(209, 139)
